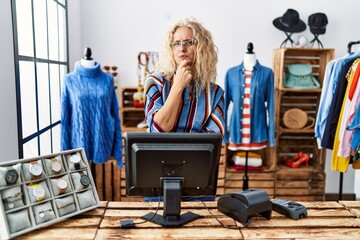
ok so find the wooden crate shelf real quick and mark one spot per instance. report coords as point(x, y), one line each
point(130, 116)
point(268, 156)
point(107, 178)
point(290, 144)
point(257, 180)
point(302, 183)
point(318, 58)
point(127, 94)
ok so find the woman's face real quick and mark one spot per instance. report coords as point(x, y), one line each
point(183, 46)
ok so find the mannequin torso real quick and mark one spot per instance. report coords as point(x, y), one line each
point(87, 63)
point(249, 61)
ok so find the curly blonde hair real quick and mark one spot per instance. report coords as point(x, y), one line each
point(205, 55)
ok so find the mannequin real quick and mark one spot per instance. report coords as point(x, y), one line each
point(249, 57)
point(90, 116)
point(249, 63)
point(87, 60)
point(250, 88)
point(262, 130)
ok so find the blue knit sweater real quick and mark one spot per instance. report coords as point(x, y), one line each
point(90, 114)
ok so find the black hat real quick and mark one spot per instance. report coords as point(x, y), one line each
point(317, 23)
point(290, 22)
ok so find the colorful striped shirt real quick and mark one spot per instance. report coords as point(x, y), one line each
point(203, 113)
point(246, 109)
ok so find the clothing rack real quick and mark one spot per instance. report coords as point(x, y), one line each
point(349, 47)
point(350, 44)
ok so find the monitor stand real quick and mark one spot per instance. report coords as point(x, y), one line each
point(172, 206)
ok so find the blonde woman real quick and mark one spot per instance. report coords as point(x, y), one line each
point(183, 95)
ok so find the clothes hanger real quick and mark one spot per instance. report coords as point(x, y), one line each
point(350, 44)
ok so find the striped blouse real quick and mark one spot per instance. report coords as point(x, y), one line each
point(197, 114)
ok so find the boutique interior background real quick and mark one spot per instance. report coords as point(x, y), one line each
point(117, 30)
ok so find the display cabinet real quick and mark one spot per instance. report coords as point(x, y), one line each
point(40, 191)
point(303, 183)
point(130, 115)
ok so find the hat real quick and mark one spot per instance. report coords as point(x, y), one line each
point(290, 22)
point(317, 23)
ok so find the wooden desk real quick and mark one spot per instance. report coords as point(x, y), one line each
point(326, 220)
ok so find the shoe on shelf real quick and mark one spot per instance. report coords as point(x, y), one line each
point(296, 164)
point(288, 161)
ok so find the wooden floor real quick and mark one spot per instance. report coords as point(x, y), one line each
point(326, 220)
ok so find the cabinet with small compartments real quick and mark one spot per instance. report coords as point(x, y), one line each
point(40, 191)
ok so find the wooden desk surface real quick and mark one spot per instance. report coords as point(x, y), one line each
point(326, 220)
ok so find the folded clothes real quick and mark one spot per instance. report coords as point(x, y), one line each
point(252, 161)
point(250, 168)
point(250, 154)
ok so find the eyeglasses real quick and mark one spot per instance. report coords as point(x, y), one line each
point(186, 43)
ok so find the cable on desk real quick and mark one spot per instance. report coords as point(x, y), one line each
point(129, 223)
point(223, 225)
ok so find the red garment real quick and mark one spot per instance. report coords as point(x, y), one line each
point(250, 168)
point(354, 82)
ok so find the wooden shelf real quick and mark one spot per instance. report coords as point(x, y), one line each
point(286, 130)
point(299, 183)
point(132, 109)
point(130, 115)
point(127, 94)
point(133, 129)
point(283, 168)
point(282, 89)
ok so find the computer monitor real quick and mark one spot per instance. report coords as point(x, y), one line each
point(171, 166)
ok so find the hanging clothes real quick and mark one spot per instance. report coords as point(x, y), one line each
point(355, 126)
point(342, 142)
point(351, 104)
point(335, 107)
point(90, 114)
point(339, 102)
point(262, 127)
point(333, 73)
point(339, 164)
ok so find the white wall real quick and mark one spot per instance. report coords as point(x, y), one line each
point(74, 28)
point(117, 30)
point(8, 122)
